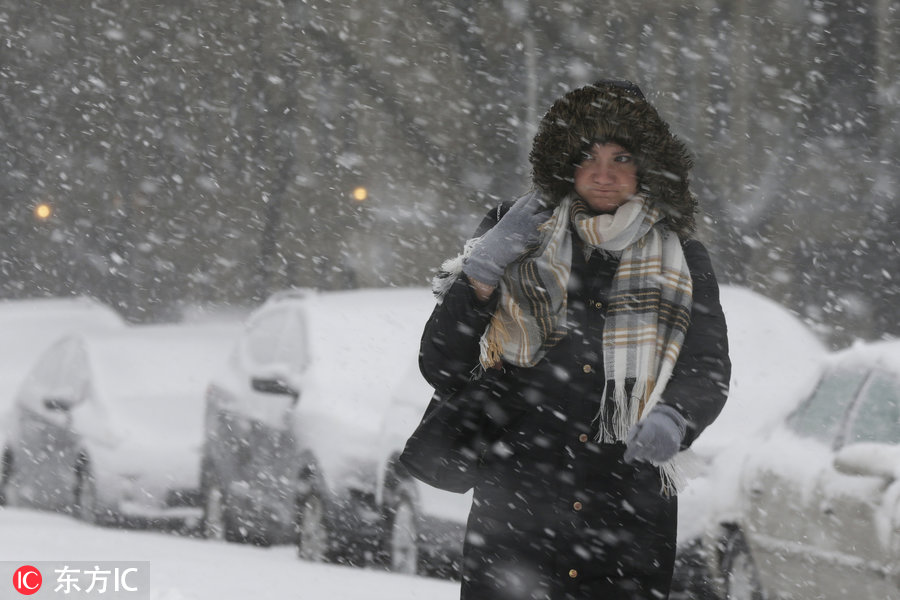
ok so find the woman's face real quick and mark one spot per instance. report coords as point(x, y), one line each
point(606, 178)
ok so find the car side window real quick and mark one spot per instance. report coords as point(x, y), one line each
point(75, 373)
point(52, 376)
point(877, 416)
point(296, 346)
point(278, 337)
point(263, 337)
point(821, 415)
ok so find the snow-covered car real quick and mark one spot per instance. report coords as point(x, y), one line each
point(776, 360)
point(108, 426)
point(425, 526)
point(30, 326)
point(819, 498)
point(293, 418)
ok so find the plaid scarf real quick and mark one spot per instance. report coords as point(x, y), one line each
point(648, 310)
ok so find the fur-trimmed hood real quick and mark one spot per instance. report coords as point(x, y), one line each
point(614, 111)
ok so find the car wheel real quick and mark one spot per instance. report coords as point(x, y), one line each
point(214, 522)
point(311, 528)
point(401, 548)
point(739, 568)
point(217, 521)
point(85, 507)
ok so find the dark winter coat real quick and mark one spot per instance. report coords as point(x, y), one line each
point(555, 514)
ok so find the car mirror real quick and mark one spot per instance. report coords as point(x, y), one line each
point(274, 386)
point(58, 404)
point(868, 459)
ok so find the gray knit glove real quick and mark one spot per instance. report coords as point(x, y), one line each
point(507, 240)
point(657, 437)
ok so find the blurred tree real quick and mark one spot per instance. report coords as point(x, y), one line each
point(207, 152)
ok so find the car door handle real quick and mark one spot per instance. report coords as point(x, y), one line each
point(756, 491)
point(827, 508)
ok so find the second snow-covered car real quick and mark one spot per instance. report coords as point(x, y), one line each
point(108, 426)
point(293, 418)
point(776, 360)
point(819, 498)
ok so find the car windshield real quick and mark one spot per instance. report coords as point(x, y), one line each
point(276, 339)
point(877, 417)
point(821, 415)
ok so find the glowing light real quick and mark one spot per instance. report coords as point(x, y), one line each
point(43, 211)
point(360, 194)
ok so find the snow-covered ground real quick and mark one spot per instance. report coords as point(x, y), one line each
point(178, 568)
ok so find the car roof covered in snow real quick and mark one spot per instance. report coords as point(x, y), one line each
point(884, 354)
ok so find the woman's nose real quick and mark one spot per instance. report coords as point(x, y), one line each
point(602, 172)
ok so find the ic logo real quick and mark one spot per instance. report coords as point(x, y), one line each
point(27, 580)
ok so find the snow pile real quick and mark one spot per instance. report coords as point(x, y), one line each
point(190, 569)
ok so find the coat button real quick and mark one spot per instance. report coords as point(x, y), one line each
point(598, 305)
point(583, 437)
point(587, 368)
point(573, 573)
point(577, 505)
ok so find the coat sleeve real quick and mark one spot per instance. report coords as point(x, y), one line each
point(699, 385)
point(449, 349)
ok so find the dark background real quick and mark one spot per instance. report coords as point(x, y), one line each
point(205, 153)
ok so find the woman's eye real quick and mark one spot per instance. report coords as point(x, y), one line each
point(624, 158)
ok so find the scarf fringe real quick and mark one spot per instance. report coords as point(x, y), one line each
point(679, 470)
point(617, 414)
point(492, 344)
point(450, 271)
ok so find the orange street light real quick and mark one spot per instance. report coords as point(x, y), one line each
point(43, 211)
point(360, 194)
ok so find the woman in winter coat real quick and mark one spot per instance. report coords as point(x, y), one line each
point(594, 316)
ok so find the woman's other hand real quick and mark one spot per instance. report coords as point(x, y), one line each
point(506, 241)
point(657, 437)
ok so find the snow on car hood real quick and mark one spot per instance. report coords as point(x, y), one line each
point(148, 383)
point(776, 360)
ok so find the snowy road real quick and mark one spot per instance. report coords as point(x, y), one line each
point(179, 568)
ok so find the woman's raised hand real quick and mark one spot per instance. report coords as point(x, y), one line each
point(507, 240)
